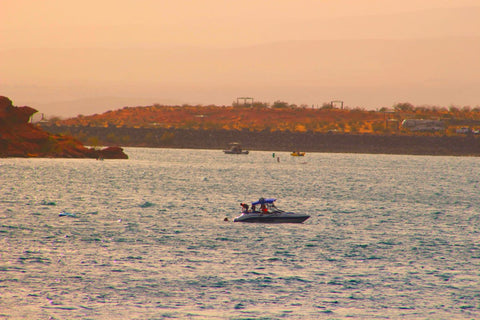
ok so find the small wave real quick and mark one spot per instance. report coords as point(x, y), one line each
point(48, 203)
point(67, 214)
point(146, 205)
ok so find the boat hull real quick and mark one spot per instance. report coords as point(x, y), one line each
point(271, 218)
point(235, 152)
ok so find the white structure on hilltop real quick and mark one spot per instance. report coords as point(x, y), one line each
point(423, 125)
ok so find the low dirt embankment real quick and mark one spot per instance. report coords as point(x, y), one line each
point(276, 141)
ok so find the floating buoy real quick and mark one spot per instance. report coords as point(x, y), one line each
point(226, 219)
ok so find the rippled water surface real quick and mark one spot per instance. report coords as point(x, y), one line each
point(390, 237)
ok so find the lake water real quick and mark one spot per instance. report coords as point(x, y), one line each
point(390, 237)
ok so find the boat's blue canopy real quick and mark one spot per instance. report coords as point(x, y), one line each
point(262, 200)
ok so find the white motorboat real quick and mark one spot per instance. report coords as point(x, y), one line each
point(268, 213)
point(235, 148)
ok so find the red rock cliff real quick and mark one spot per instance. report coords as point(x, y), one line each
point(19, 138)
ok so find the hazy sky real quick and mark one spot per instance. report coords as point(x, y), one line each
point(69, 57)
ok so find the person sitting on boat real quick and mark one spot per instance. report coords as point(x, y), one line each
point(253, 208)
point(244, 207)
point(263, 208)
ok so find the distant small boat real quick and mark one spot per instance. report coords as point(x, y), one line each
point(235, 148)
point(297, 154)
point(268, 213)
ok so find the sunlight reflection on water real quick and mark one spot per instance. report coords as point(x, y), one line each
point(389, 236)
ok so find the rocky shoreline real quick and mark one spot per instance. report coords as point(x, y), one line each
point(19, 138)
point(466, 145)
